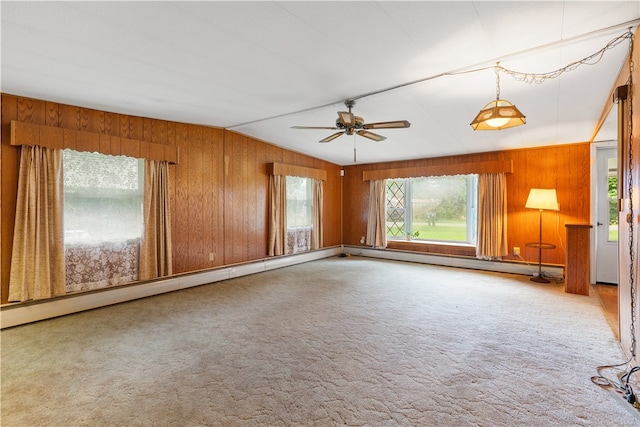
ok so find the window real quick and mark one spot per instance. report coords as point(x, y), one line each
point(103, 222)
point(299, 212)
point(102, 197)
point(441, 208)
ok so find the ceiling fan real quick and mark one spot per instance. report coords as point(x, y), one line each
point(348, 124)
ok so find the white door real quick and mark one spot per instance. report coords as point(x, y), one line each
point(606, 234)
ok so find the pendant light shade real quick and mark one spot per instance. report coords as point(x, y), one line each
point(498, 114)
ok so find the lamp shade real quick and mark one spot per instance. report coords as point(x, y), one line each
point(543, 199)
point(498, 114)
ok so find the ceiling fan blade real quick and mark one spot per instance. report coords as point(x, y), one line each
point(346, 118)
point(331, 137)
point(315, 127)
point(371, 135)
point(388, 125)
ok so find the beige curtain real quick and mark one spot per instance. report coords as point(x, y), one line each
point(37, 261)
point(317, 215)
point(155, 247)
point(277, 214)
point(492, 216)
point(376, 224)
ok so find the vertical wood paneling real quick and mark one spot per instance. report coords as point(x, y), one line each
point(31, 110)
point(180, 209)
point(155, 131)
point(147, 129)
point(261, 211)
point(332, 207)
point(356, 202)
point(196, 185)
point(91, 120)
point(53, 114)
point(125, 131)
point(9, 164)
point(69, 116)
point(208, 195)
point(251, 171)
point(212, 211)
point(136, 128)
point(242, 234)
point(236, 237)
point(111, 124)
point(219, 195)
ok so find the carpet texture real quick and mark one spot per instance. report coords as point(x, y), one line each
point(341, 341)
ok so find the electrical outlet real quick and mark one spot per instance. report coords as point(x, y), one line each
point(211, 256)
point(516, 250)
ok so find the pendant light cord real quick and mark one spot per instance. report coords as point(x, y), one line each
point(592, 59)
point(497, 71)
point(518, 75)
point(622, 385)
point(631, 215)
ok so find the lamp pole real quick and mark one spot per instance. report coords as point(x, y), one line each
point(540, 249)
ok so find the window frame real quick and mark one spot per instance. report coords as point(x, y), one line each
point(471, 201)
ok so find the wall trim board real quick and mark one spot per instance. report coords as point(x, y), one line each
point(494, 166)
point(31, 134)
point(455, 261)
point(20, 314)
point(293, 170)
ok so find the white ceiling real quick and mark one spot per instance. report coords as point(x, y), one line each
point(261, 67)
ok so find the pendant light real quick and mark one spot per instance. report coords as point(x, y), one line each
point(498, 114)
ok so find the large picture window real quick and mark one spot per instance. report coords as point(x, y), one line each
point(442, 208)
point(103, 222)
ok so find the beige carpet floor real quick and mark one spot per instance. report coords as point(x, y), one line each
point(341, 341)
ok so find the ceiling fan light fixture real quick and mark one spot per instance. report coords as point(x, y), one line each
point(497, 115)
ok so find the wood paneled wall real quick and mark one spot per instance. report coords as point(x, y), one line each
point(218, 190)
point(565, 168)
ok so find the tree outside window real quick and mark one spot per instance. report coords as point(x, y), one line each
point(439, 208)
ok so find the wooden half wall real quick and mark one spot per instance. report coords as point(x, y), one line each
point(218, 188)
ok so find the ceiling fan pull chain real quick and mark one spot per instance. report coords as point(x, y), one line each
point(354, 148)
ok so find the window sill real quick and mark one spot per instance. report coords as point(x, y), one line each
point(431, 242)
point(446, 248)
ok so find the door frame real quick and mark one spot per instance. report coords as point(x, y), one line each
point(593, 180)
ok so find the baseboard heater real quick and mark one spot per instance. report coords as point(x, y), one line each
point(454, 261)
point(22, 313)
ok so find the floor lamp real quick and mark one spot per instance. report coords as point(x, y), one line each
point(543, 200)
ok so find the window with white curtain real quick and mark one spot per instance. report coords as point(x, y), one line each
point(103, 221)
point(299, 213)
